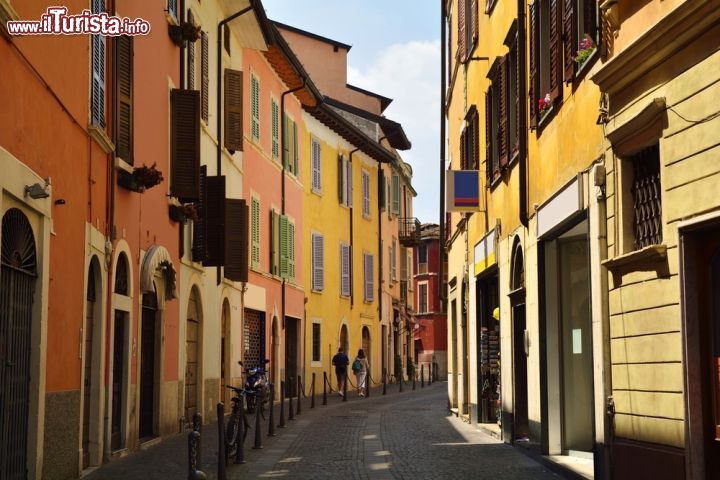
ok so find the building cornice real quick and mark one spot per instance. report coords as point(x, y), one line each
point(666, 37)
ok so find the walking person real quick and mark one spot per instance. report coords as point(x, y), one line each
point(360, 368)
point(341, 361)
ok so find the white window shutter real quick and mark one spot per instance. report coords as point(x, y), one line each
point(318, 262)
point(345, 270)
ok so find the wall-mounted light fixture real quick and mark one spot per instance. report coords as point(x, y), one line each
point(37, 190)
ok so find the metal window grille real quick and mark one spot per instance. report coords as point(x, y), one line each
point(647, 198)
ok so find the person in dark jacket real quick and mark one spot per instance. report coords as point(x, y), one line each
point(341, 361)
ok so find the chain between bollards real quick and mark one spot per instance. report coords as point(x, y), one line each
point(325, 388)
point(282, 404)
point(221, 441)
point(271, 417)
point(312, 392)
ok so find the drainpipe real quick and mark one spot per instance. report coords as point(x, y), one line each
point(443, 54)
point(522, 86)
point(219, 94)
point(380, 262)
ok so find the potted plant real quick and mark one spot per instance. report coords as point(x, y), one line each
point(188, 31)
point(544, 104)
point(587, 47)
point(148, 177)
point(183, 213)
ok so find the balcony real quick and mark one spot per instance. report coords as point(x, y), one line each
point(409, 235)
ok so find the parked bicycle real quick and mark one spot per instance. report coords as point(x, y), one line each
point(237, 415)
point(256, 381)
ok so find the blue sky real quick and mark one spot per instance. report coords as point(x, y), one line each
point(395, 52)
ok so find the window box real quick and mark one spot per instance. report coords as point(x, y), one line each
point(141, 178)
point(183, 213)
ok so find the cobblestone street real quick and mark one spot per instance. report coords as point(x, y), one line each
point(401, 435)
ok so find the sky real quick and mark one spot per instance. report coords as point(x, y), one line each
point(396, 53)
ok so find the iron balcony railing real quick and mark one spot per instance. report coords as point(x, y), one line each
point(409, 235)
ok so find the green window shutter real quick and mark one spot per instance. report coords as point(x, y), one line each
point(255, 232)
point(255, 106)
point(285, 142)
point(284, 247)
point(275, 243)
point(295, 148)
point(275, 128)
point(291, 250)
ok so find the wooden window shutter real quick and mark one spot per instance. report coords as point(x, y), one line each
point(570, 35)
point(349, 180)
point(369, 277)
point(344, 270)
point(275, 242)
point(532, 74)
point(488, 136)
point(462, 35)
point(97, 97)
point(475, 129)
point(286, 142)
point(555, 53)
point(291, 250)
point(474, 11)
point(190, 55)
point(366, 193)
point(316, 166)
point(284, 246)
point(124, 98)
point(295, 148)
point(236, 240)
point(215, 222)
point(519, 66)
point(255, 232)
point(318, 253)
point(381, 189)
point(341, 178)
point(255, 106)
point(233, 110)
point(396, 194)
point(185, 144)
point(199, 246)
point(205, 74)
point(503, 101)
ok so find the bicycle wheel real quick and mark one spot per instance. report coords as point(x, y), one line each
point(247, 427)
point(231, 433)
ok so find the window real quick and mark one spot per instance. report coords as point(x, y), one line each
point(647, 198)
point(316, 166)
point(345, 181)
point(233, 111)
point(316, 342)
point(393, 260)
point(470, 141)
point(513, 99)
point(345, 270)
point(124, 98)
point(286, 229)
point(545, 58)
point(396, 194)
point(275, 113)
point(366, 193)
point(255, 106)
point(404, 270)
point(369, 276)
point(579, 22)
point(290, 145)
point(423, 298)
point(255, 250)
point(422, 253)
point(467, 27)
point(97, 96)
point(191, 64)
point(318, 262)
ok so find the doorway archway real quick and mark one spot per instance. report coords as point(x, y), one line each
point(520, 423)
point(193, 335)
point(91, 365)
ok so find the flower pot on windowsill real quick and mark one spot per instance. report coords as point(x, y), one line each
point(183, 213)
point(587, 48)
point(140, 179)
point(188, 31)
point(544, 104)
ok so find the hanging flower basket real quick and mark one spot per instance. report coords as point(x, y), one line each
point(188, 31)
point(587, 47)
point(148, 177)
point(183, 213)
point(544, 104)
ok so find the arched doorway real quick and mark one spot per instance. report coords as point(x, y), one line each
point(521, 429)
point(119, 356)
point(344, 341)
point(18, 274)
point(192, 355)
point(366, 343)
point(91, 358)
point(225, 364)
point(148, 360)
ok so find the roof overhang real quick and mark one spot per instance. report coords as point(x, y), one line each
point(250, 28)
point(393, 131)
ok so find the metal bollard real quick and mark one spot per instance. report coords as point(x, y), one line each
point(430, 374)
point(345, 382)
point(384, 381)
point(193, 443)
point(413, 381)
point(197, 426)
point(299, 393)
point(400, 381)
point(271, 419)
point(240, 442)
point(258, 434)
point(312, 392)
point(221, 441)
point(291, 411)
point(422, 376)
point(368, 384)
point(324, 388)
point(282, 404)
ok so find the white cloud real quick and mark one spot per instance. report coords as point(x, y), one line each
point(409, 73)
